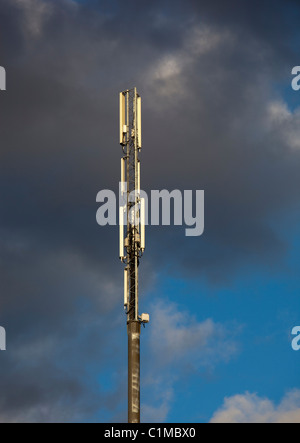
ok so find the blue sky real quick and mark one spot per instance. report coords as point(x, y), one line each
point(260, 307)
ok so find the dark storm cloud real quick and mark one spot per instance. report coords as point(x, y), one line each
point(206, 72)
point(56, 310)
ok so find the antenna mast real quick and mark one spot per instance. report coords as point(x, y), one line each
point(132, 242)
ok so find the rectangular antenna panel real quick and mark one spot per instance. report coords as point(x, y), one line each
point(143, 221)
point(121, 223)
point(122, 116)
point(139, 121)
point(125, 287)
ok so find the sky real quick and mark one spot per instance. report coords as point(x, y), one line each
point(219, 115)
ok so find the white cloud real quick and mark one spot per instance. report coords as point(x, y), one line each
point(179, 344)
point(168, 67)
point(249, 408)
point(35, 14)
point(204, 39)
point(178, 334)
point(167, 74)
point(199, 41)
point(158, 414)
point(284, 123)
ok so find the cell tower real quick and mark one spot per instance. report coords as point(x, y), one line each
point(132, 241)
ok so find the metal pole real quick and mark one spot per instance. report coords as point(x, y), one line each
point(134, 332)
point(133, 325)
point(131, 142)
